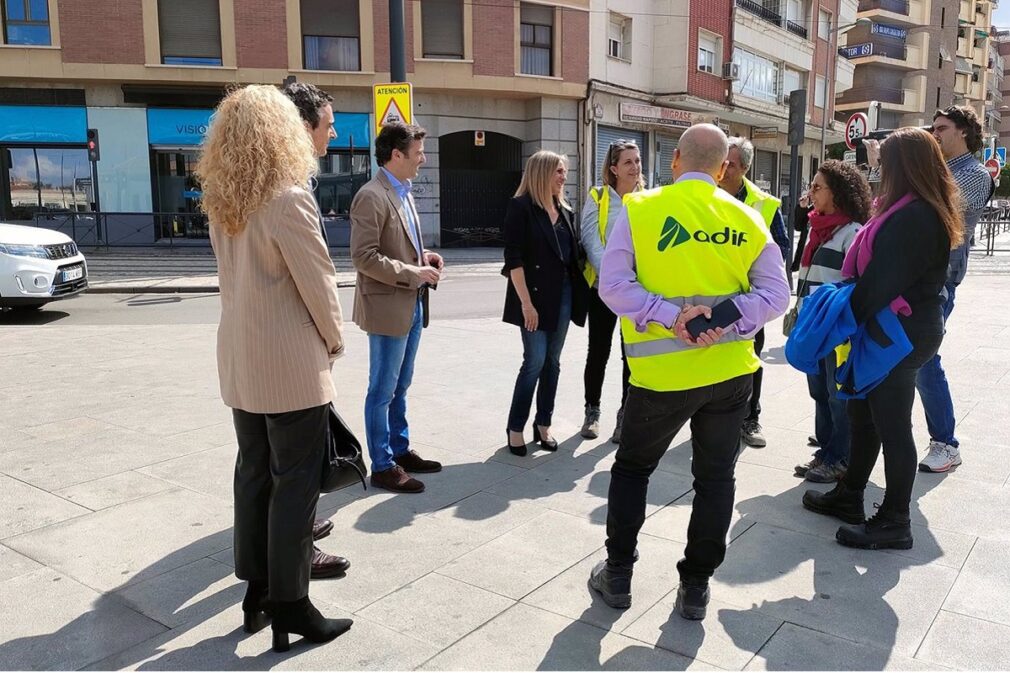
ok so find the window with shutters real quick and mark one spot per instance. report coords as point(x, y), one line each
point(619, 37)
point(331, 35)
point(190, 32)
point(536, 39)
point(442, 29)
point(26, 22)
point(709, 50)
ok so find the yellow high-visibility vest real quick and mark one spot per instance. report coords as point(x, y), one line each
point(694, 243)
point(763, 202)
point(601, 197)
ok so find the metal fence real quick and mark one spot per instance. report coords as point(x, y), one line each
point(994, 221)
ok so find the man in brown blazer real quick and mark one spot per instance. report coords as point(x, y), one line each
point(390, 301)
point(316, 110)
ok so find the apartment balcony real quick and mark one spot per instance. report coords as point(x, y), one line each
point(761, 28)
point(844, 72)
point(909, 99)
point(909, 56)
point(966, 11)
point(906, 13)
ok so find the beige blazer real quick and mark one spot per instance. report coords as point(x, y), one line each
point(281, 324)
point(385, 258)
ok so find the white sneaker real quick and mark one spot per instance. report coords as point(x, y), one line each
point(941, 458)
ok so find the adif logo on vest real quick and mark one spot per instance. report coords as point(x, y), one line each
point(674, 233)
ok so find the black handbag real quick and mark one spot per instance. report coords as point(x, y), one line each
point(343, 463)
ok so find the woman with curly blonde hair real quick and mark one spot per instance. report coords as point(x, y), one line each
point(279, 334)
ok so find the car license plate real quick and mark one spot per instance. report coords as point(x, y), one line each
point(73, 274)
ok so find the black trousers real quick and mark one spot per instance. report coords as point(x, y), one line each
point(277, 478)
point(885, 418)
point(601, 337)
point(754, 409)
point(651, 420)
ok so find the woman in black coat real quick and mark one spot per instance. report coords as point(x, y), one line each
point(546, 290)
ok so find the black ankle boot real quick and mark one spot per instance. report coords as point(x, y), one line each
point(613, 584)
point(883, 530)
point(255, 611)
point(302, 618)
point(692, 600)
point(840, 502)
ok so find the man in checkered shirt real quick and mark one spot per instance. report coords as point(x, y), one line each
point(959, 133)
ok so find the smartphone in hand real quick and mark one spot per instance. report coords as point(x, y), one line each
point(724, 314)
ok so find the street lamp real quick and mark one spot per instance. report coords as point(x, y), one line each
point(833, 36)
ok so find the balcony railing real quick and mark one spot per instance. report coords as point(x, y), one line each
point(796, 29)
point(862, 94)
point(761, 11)
point(896, 6)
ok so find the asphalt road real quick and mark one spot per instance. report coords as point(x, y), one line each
point(466, 297)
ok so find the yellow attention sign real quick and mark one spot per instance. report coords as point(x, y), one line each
point(393, 103)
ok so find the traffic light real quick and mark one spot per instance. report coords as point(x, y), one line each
point(797, 116)
point(93, 152)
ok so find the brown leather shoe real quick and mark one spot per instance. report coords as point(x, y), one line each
point(396, 480)
point(321, 529)
point(411, 462)
point(324, 565)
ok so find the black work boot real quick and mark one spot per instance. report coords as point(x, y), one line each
point(302, 618)
point(613, 583)
point(883, 530)
point(692, 600)
point(840, 502)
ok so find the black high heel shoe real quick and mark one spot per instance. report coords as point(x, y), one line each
point(302, 618)
point(549, 444)
point(516, 450)
point(255, 613)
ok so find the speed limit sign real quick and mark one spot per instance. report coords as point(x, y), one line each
point(857, 127)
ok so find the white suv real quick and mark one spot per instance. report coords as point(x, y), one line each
point(38, 266)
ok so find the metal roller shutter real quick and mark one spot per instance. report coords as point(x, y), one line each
point(189, 28)
point(605, 135)
point(442, 28)
point(765, 170)
point(665, 146)
point(330, 18)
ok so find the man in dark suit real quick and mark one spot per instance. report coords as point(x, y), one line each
point(390, 301)
point(316, 110)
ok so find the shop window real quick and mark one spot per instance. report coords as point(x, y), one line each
point(178, 193)
point(331, 35)
point(26, 22)
point(442, 29)
point(190, 32)
point(341, 175)
point(536, 39)
point(44, 180)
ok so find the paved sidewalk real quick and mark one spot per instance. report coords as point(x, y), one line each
point(189, 269)
point(116, 460)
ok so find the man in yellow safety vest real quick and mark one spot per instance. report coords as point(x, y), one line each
point(734, 181)
point(677, 253)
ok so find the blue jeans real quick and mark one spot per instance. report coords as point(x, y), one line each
point(390, 371)
point(831, 420)
point(541, 365)
point(931, 382)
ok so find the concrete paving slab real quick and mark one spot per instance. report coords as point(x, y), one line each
point(96, 455)
point(113, 490)
point(525, 638)
point(211, 472)
point(966, 643)
point(134, 541)
point(26, 508)
point(13, 564)
point(220, 644)
point(436, 609)
point(568, 594)
point(192, 593)
point(578, 485)
point(727, 637)
point(982, 588)
point(851, 593)
point(65, 429)
point(209, 437)
point(933, 505)
point(11, 439)
point(795, 648)
point(526, 557)
point(49, 621)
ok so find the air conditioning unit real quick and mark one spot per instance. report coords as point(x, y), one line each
point(782, 99)
point(614, 47)
point(731, 71)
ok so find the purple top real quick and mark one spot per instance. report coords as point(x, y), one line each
point(620, 290)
